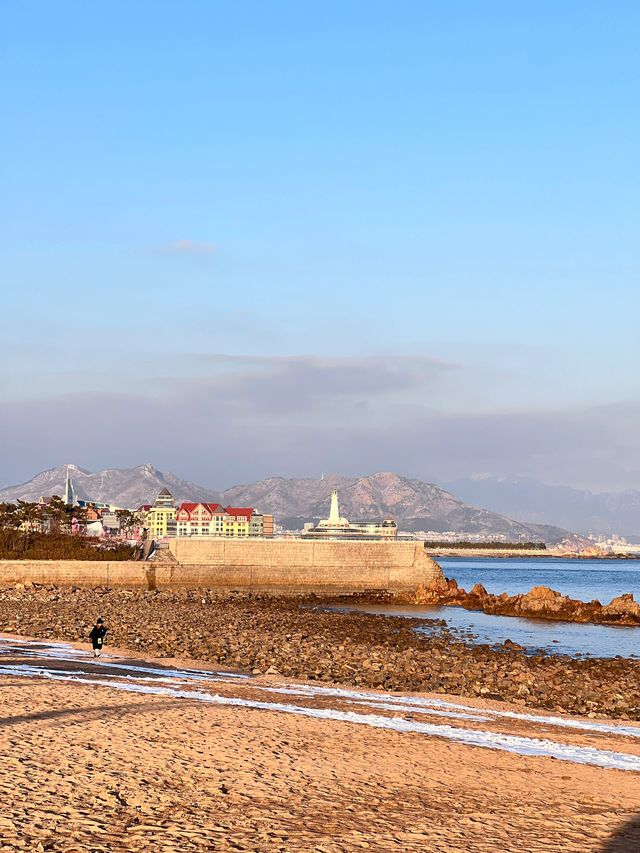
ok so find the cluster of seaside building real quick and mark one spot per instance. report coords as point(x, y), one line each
point(455, 536)
point(166, 519)
point(615, 544)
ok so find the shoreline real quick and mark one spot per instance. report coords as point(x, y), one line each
point(297, 638)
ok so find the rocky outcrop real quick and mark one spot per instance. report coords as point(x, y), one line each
point(540, 602)
point(301, 639)
point(624, 605)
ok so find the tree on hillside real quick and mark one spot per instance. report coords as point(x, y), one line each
point(9, 516)
point(57, 512)
point(127, 519)
point(30, 515)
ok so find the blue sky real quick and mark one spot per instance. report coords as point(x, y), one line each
point(249, 239)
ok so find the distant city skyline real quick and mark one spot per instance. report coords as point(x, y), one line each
point(243, 241)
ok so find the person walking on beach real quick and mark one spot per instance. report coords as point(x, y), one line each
point(97, 635)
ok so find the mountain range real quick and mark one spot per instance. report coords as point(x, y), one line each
point(414, 504)
point(532, 502)
point(125, 487)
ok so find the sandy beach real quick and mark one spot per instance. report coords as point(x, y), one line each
point(125, 754)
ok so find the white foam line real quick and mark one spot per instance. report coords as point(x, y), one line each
point(82, 674)
point(567, 722)
point(308, 690)
point(488, 740)
point(161, 679)
point(187, 674)
point(31, 651)
point(85, 657)
point(562, 722)
point(26, 669)
point(341, 693)
point(412, 709)
point(52, 651)
point(21, 641)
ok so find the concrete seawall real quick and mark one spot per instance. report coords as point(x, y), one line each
point(276, 566)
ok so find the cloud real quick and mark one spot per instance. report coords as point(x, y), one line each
point(309, 386)
point(404, 362)
point(251, 416)
point(194, 248)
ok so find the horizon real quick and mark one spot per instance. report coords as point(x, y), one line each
point(302, 238)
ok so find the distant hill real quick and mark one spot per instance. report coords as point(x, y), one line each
point(531, 501)
point(125, 487)
point(415, 505)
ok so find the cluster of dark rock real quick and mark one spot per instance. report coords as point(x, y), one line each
point(302, 639)
point(540, 602)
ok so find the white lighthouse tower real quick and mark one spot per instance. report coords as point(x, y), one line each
point(69, 492)
point(335, 520)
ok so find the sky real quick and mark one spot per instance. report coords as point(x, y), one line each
point(248, 239)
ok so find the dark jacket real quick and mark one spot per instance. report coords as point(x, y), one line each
point(97, 635)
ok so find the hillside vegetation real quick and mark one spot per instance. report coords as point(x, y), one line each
point(17, 545)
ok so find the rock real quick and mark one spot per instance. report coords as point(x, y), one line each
point(437, 590)
point(542, 593)
point(624, 605)
point(540, 602)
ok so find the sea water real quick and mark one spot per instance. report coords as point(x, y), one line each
point(582, 579)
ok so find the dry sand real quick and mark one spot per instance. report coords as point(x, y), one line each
point(95, 767)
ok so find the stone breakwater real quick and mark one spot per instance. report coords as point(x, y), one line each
point(281, 567)
point(300, 639)
point(540, 602)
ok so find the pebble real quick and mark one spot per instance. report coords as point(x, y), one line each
point(299, 638)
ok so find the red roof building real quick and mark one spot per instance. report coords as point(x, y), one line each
point(200, 519)
point(205, 519)
point(240, 512)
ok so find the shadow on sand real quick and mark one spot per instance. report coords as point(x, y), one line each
point(624, 840)
point(63, 716)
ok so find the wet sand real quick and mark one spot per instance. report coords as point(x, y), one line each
point(173, 755)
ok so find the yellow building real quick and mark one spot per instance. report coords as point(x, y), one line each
point(160, 519)
point(237, 522)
